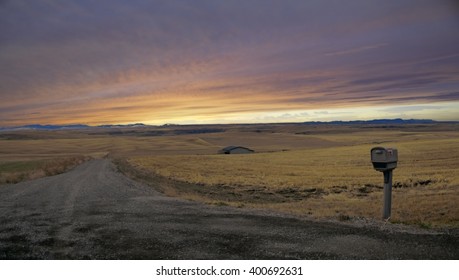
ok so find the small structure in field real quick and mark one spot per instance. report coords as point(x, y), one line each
point(235, 150)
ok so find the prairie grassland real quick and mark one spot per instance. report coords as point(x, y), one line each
point(434, 160)
point(327, 182)
point(119, 146)
point(16, 171)
point(320, 171)
point(33, 154)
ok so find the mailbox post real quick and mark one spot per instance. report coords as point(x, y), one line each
point(385, 160)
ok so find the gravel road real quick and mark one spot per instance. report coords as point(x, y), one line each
point(94, 212)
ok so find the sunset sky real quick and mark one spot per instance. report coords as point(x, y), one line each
point(248, 61)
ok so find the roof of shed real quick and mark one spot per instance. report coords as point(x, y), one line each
point(229, 148)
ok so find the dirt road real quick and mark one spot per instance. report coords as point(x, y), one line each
point(94, 212)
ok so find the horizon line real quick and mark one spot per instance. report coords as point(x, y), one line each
point(242, 123)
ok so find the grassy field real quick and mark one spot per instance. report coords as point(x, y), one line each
point(318, 171)
point(335, 179)
point(12, 172)
point(434, 160)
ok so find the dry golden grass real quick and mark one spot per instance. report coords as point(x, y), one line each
point(96, 146)
point(435, 160)
point(321, 171)
point(16, 171)
point(329, 182)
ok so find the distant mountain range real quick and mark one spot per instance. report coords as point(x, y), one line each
point(379, 121)
point(50, 126)
point(68, 127)
point(358, 122)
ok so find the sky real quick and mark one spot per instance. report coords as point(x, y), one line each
point(219, 61)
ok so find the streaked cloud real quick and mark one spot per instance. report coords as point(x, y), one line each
point(213, 61)
point(356, 50)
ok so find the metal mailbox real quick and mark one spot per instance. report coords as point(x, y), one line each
point(384, 159)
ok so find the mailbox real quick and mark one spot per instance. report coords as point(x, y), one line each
point(384, 159)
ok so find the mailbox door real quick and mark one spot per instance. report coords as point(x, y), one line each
point(378, 155)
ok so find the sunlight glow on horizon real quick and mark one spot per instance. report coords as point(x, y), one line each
point(421, 111)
